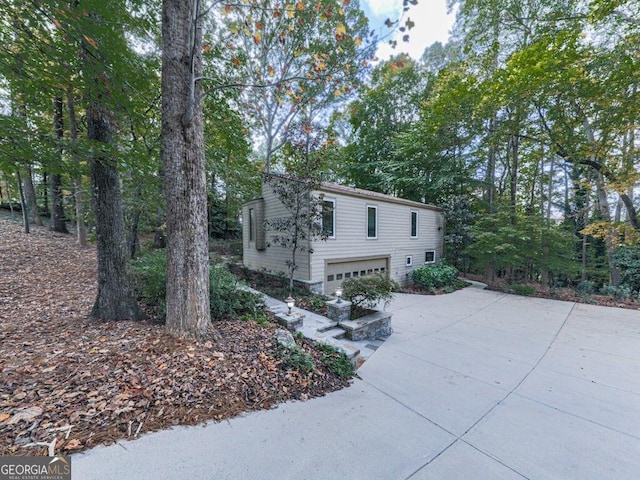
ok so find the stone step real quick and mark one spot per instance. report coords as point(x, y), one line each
point(335, 332)
point(350, 350)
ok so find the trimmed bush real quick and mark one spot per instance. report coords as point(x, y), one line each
point(367, 292)
point(619, 292)
point(521, 289)
point(435, 276)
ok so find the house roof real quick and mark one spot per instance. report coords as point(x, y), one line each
point(361, 193)
point(368, 194)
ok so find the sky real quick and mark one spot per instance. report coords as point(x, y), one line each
point(430, 16)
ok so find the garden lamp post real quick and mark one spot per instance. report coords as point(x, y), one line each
point(290, 303)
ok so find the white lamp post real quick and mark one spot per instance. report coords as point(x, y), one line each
point(290, 303)
point(339, 294)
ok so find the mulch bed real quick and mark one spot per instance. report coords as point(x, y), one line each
point(116, 380)
point(565, 294)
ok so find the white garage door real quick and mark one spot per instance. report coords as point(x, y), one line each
point(339, 270)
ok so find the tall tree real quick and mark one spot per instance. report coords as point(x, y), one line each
point(292, 55)
point(184, 169)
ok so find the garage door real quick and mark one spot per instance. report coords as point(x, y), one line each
point(339, 270)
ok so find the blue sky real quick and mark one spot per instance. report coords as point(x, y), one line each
point(430, 16)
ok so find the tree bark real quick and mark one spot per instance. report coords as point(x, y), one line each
point(23, 203)
point(115, 299)
point(188, 311)
point(58, 223)
point(81, 229)
point(30, 196)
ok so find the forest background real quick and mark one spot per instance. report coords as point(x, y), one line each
point(131, 116)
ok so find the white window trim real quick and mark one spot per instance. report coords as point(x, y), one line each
point(411, 222)
point(425, 257)
point(252, 227)
point(333, 201)
point(375, 207)
point(409, 261)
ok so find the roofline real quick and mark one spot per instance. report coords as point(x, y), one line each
point(361, 193)
point(370, 195)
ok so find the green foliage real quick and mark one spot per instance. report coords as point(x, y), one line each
point(226, 296)
point(619, 292)
point(525, 249)
point(459, 217)
point(586, 287)
point(521, 289)
point(336, 361)
point(149, 273)
point(317, 302)
point(435, 276)
point(627, 259)
point(296, 358)
point(367, 292)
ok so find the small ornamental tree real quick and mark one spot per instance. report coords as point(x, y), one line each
point(303, 224)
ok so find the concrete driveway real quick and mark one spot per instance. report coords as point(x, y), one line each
point(472, 385)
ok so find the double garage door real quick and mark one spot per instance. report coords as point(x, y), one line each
point(337, 271)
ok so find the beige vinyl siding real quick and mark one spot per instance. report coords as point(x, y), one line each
point(273, 258)
point(393, 235)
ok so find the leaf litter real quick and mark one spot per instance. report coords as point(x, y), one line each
point(81, 382)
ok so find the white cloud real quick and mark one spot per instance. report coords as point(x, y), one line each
point(432, 24)
point(380, 8)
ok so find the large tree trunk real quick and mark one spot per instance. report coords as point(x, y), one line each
point(115, 299)
point(81, 229)
point(188, 312)
point(58, 223)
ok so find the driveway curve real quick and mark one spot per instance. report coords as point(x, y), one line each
point(471, 385)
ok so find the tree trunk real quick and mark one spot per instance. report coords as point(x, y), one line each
point(115, 299)
point(30, 197)
point(58, 223)
point(81, 229)
point(188, 311)
point(23, 203)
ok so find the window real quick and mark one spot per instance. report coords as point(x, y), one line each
point(252, 233)
point(355, 274)
point(329, 218)
point(347, 275)
point(414, 224)
point(430, 256)
point(409, 261)
point(339, 276)
point(330, 278)
point(372, 221)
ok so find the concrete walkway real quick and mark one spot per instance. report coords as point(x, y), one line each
point(472, 385)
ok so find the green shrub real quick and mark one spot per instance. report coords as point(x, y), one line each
point(435, 276)
point(619, 292)
point(627, 259)
point(296, 358)
point(225, 294)
point(367, 292)
point(149, 273)
point(586, 287)
point(336, 361)
point(521, 289)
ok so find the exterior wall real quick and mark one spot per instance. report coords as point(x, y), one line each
point(273, 258)
point(393, 235)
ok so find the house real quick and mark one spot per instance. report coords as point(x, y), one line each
point(367, 233)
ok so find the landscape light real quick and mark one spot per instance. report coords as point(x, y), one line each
point(290, 303)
